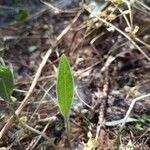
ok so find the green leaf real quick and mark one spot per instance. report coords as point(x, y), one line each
point(23, 14)
point(65, 87)
point(6, 83)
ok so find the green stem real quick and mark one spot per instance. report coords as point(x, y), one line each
point(11, 107)
point(67, 126)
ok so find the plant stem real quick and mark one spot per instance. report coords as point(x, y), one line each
point(67, 126)
point(11, 107)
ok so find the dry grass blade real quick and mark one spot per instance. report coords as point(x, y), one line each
point(55, 9)
point(38, 139)
point(131, 107)
point(69, 26)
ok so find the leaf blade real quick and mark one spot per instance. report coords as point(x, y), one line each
point(6, 83)
point(65, 87)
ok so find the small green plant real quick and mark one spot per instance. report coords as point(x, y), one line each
point(6, 84)
point(65, 90)
point(6, 87)
point(142, 120)
point(23, 14)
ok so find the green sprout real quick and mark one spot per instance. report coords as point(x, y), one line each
point(7, 87)
point(6, 84)
point(65, 91)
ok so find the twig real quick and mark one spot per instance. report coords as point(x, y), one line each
point(69, 26)
point(102, 110)
point(57, 10)
point(52, 119)
point(35, 131)
point(39, 137)
point(83, 101)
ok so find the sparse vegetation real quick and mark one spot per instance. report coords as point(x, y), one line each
point(101, 102)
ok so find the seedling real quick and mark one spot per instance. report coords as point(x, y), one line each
point(6, 87)
point(6, 84)
point(65, 91)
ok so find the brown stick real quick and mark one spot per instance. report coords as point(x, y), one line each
point(103, 105)
point(68, 27)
